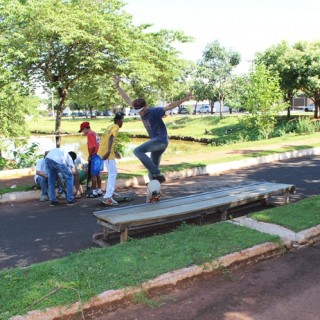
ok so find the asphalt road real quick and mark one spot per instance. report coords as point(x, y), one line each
point(32, 232)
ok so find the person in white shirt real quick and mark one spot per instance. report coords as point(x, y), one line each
point(41, 177)
point(58, 160)
point(80, 172)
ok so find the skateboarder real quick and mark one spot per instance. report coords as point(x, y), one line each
point(152, 120)
point(109, 157)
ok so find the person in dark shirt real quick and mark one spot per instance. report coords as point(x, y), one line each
point(152, 120)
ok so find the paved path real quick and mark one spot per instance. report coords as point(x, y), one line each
point(32, 231)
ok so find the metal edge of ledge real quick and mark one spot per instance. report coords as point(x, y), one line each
point(108, 299)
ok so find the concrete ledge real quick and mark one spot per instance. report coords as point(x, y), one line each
point(301, 237)
point(20, 196)
point(112, 298)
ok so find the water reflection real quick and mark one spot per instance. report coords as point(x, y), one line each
point(78, 144)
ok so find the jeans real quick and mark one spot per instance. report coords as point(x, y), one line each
point(53, 168)
point(43, 183)
point(156, 149)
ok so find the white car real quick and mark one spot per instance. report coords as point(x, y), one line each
point(204, 109)
point(310, 107)
point(133, 112)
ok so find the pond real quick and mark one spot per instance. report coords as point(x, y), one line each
point(78, 144)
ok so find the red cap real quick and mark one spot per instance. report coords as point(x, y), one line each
point(84, 125)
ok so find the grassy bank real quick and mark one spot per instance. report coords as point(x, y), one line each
point(296, 216)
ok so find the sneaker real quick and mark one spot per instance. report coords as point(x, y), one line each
point(53, 203)
point(44, 198)
point(160, 177)
point(116, 195)
point(110, 202)
point(71, 203)
point(61, 196)
point(99, 193)
point(92, 195)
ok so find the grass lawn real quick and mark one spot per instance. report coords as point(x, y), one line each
point(296, 216)
point(82, 275)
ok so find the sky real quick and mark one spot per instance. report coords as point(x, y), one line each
point(246, 26)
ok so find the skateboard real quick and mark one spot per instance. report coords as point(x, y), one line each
point(153, 191)
point(123, 197)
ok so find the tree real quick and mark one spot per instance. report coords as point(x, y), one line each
point(214, 71)
point(98, 93)
point(59, 42)
point(154, 68)
point(262, 97)
point(286, 62)
point(234, 92)
point(55, 43)
point(310, 53)
point(15, 104)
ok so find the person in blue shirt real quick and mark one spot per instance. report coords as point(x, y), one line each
point(157, 131)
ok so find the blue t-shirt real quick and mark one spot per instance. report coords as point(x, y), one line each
point(154, 124)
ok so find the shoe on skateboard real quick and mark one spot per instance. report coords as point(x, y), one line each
point(153, 191)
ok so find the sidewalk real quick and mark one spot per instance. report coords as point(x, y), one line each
point(26, 176)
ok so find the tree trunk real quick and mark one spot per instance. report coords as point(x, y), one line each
point(220, 107)
point(62, 96)
point(316, 105)
point(288, 112)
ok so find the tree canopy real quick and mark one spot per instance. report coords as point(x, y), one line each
point(214, 71)
point(57, 43)
point(262, 97)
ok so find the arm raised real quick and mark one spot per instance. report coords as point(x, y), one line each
point(177, 102)
point(122, 93)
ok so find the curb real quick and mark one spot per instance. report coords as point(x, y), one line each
point(211, 169)
point(110, 298)
point(296, 238)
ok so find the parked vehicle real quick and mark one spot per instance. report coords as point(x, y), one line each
point(173, 111)
point(183, 111)
point(133, 112)
point(107, 113)
point(310, 108)
point(204, 109)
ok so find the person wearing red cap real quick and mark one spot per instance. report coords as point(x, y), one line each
point(95, 162)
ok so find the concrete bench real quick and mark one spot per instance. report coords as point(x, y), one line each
point(123, 219)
